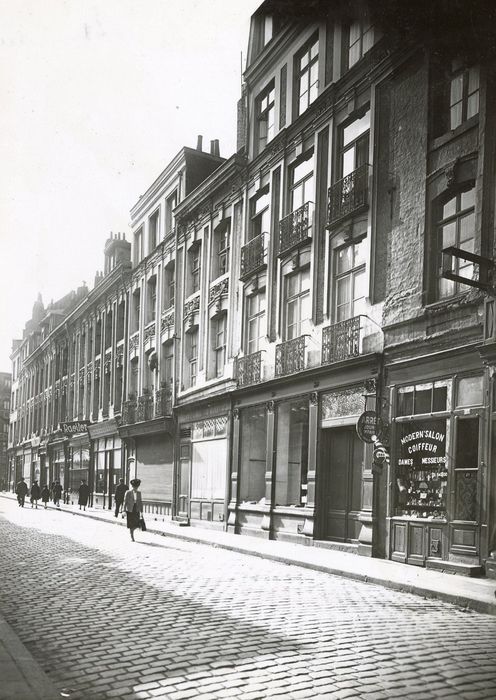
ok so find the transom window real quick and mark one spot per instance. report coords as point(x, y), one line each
point(456, 227)
point(464, 96)
point(354, 144)
point(255, 321)
point(265, 107)
point(298, 311)
point(307, 74)
point(422, 399)
point(350, 280)
point(301, 182)
point(360, 40)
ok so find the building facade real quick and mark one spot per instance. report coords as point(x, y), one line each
point(271, 298)
point(5, 391)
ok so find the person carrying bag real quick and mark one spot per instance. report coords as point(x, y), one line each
point(133, 507)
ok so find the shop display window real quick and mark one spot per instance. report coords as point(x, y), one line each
point(421, 469)
point(253, 441)
point(292, 453)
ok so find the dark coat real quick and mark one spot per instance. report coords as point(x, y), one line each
point(120, 492)
point(84, 494)
point(35, 492)
point(21, 488)
point(57, 491)
point(45, 494)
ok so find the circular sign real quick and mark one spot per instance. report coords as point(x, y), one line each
point(369, 426)
point(380, 455)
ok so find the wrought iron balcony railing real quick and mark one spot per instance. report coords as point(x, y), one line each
point(163, 402)
point(253, 256)
point(295, 229)
point(290, 356)
point(144, 409)
point(129, 412)
point(350, 338)
point(348, 195)
point(249, 369)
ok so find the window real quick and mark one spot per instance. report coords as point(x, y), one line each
point(136, 311)
point(255, 321)
point(307, 75)
point(349, 280)
point(152, 232)
point(360, 40)
point(253, 446)
point(354, 141)
point(423, 399)
point(301, 182)
point(169, 285)
point(192, 356)
point(455, 226)
point(152, 299)
point(138, 246)
point(194, 259)
point(259, 213)
point(221, 248)
point(265, 116)
point(297, 306)
point(219, 343)
point(464, 96)
point(292, 453)
point(167, 366)
point(170, 205)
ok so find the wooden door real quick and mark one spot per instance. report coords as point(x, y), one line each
point(340, 486)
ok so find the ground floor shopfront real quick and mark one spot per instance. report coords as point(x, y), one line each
point(442, 464)
point(299, 470)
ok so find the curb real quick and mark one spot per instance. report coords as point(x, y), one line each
point(460, 600)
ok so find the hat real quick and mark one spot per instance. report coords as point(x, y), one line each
point(135, 482)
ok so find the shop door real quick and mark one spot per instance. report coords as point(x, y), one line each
point(183, 481)
point(340, 485)
point(109, 478)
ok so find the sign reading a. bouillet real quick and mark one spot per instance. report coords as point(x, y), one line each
point(74, 427)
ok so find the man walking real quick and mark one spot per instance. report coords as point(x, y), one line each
point(119, 494)
point(57, 493)
point(21, 491)
point(35, 494)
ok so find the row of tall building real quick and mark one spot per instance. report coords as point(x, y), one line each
point(267, 300)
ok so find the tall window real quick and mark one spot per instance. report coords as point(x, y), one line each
point(138, 246)
point(219, 343)
point(360, 40)
point(464, 95)
point(136, 311)
point(307, 74)
point(167, 365)
point(194, 259)
point(301, 182)
point(292, 453)
point(255, 321)
point(354, 139)
point(221, 248)
point(350, 280)
point(152, 299)
point(253, 447)
point(170, 205)
point(152, 232)
point(259, 213)
point(455, 227)
point(192, 355)
point(169, 285)
point(265, 116)
point(297, 306)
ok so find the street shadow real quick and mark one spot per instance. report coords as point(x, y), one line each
point(97, 623)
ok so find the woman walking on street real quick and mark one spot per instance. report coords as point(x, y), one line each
point(133, 507)
point(35, 494)
point(57, 493)
point(21, 491)
point(83, 495)
point(45, 495)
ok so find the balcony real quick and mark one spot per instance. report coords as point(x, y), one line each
point(350, 338)
point(144, 409)
point(248, 369)
point(295, 229)
point(290, 356)
point(253, 256)
point(163, 402)
point(129, 412)
point(348, 195)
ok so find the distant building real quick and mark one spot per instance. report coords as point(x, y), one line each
point(5, 389)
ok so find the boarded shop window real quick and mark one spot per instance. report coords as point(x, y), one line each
point(469, 391)
point(253, 440)
point(208, 469)
point(292, 453)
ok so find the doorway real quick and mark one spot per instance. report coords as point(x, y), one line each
point(340, 484)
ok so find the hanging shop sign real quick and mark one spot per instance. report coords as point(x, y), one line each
point(380, 455)
point(369, 426)
point(74, 427)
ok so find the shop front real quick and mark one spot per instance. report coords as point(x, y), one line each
point(79, 464)
point(437, 514)
point(106, 462)
point(57, 454)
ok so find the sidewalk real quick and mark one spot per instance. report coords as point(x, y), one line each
point(477, 594)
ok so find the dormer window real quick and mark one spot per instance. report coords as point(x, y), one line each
point(360, 40)
point(464, 95)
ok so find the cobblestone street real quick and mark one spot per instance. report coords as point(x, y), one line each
point(163, 618)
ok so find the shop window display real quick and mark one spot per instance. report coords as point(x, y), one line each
point(292, 453)
point(253, 438)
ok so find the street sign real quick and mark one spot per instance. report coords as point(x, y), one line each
point(369, 426)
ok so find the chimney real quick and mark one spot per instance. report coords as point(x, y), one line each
point(199, 143)
point(214, 148)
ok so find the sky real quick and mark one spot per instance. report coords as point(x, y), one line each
point(97, 96)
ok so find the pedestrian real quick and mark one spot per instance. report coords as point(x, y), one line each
point(133, 507)
point(45, 495)
point(119, 494)
point(35, 493)
point(84, 494)
point(57, 493)
point(21, 491)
